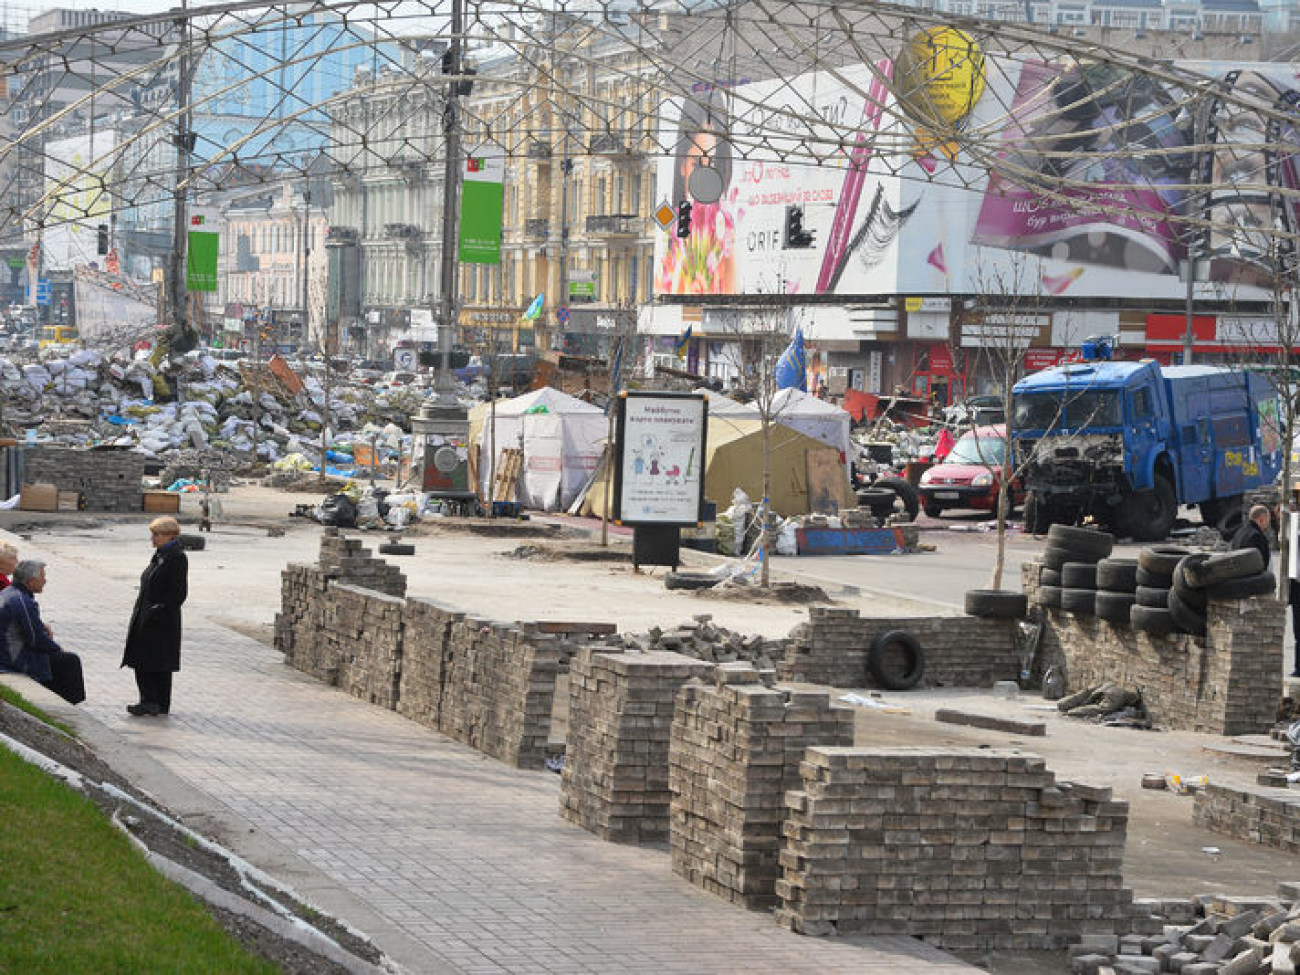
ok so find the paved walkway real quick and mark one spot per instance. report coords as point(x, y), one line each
point(467, 858)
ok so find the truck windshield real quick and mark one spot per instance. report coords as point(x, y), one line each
point(1072, 411)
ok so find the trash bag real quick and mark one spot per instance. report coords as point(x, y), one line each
point(339, 510)
point(786, 541)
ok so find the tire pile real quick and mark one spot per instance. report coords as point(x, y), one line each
point(1071, 560)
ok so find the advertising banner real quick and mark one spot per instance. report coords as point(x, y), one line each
point(481, 202)
point(202, 249)
point(659, 460)
point(79, 201)
point(1056, 208)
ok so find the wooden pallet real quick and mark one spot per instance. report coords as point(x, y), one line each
point(509, 464)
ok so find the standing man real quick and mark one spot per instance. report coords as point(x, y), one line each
point(26, 644)
point(153, 639)
point(1254, 533)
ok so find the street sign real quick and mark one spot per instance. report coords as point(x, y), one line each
point(664, 215)
point(44, 291)
point(562, 316)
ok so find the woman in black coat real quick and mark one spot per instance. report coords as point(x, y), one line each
point(153, 640)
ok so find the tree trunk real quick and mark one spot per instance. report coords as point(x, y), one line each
point(765, 507)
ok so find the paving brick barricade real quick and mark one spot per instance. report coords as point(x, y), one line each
point(349, 561)
point(960, 651)
point(1220, 684)
point(425, 640)
point(970, 849)
point(1269, 817)
point(110, 480)
point(736, 748)
point(615, 778)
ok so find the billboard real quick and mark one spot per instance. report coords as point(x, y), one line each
point(78, 200)
point(659, 458)
point(907, 207)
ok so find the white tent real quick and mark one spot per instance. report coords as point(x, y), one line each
point(561, 438)
point(798, 410)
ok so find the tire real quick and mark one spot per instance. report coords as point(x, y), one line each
point(1114, 606)
point(192, 543)
point(1230, 523)
point(1152, 619)
point(1223, 566)
point(1193, 596)
point(1157, 580)
point(397, 548)
point(1079, 601)
point(1079, 575)
point(1187, 619)
point(996, 604)
point(1152, 596)
point(876, 498)
point(1037, 514)
point(905, 493)
point(1056, 556)
point(896, 661)
point(1147, 516)
point(1117, 575)
point(1214, 511)
point(1092, 544)
point(1049, 596)
point(1242, 587)
point(1047, 576)
point(690, 580)
point(933, 510)
point(1162, 559)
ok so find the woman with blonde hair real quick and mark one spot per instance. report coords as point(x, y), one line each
point(8, 562)
point(153, 639)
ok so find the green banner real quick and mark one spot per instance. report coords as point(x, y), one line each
point(481, 203)
point(203, 248)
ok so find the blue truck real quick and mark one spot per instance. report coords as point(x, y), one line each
point(1127, 443)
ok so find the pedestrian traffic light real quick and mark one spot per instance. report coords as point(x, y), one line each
point(684, 219)
point(796, 238)
point(101, 242)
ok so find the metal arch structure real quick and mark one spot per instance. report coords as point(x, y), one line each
point(586, 58)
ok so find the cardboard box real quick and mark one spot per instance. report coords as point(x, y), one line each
point(69, 501)
point(162, 502)
point(39, 497)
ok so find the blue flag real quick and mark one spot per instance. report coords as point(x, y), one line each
point(683, 343)
point(792, 367)
point(535, 309)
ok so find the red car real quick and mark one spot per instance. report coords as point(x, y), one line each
point(968, 476)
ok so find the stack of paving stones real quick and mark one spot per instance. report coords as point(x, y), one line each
point(615, 778)
point(1210, 934)
point(1218, 684)
point(425, 640)
point(736, 748)
point(349, 561)
point(1267, 816)
point(970, 849)
point(705, 640)
point(499, 689)
point(299, 625)
point(109, 480)
point(362, 632)
point(960, 651)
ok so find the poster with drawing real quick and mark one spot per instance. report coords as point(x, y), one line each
point(659, 458)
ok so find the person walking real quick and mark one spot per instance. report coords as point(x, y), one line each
point(153, 638)
point(26, 644)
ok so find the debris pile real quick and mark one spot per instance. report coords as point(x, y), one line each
point(702, 639)
point(1107, 704)
point(1208, 933)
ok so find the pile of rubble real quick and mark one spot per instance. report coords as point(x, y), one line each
point(702, 639)
point(1209, 934)
point(1107, 704)
point(204, 406)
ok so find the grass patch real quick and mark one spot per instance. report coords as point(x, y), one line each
point(76, 896)
point(22, 704)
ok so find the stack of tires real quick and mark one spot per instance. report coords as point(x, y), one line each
point(1116, 589)
point(1201, 577)
point(1068, 579)
point(1155, 581)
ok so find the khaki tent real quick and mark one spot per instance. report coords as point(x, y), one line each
point(735, 460)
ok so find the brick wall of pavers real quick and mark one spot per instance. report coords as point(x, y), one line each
point(960, 651)
point(110, 480)
point(969, 849)
point(735, 751)
point(1222, 684)
point(1269, 817)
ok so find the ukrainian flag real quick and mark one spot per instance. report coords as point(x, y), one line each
point(683, 343)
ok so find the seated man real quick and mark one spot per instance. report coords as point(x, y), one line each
point(26, 646)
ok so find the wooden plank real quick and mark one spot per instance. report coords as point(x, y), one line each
point(592, 629)
point(509, 464)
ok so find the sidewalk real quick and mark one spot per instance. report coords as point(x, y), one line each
point(452, 860)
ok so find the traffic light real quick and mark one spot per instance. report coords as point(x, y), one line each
point(796, 238)
point(101, 239)
point(684, 219)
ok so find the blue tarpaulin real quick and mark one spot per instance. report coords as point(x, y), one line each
point(792, 368)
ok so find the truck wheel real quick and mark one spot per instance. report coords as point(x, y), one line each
point(1037, 514)
point(1213, 512)
point(1147, 516)
point(906, 494)
point(933, 510)
point(1230, 523)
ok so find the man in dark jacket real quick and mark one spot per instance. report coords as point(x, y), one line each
point(26, 645)
point(153, 639)
point(1254, 533)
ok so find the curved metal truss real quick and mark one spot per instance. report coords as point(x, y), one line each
point(328, 89)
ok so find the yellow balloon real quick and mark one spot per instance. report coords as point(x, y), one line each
point(939, 76)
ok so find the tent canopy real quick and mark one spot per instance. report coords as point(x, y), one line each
point(795, 409)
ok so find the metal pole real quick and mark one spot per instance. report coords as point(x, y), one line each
point(305, 261)
point(182, 138)
point(444, 383)
point(1191, 294)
